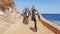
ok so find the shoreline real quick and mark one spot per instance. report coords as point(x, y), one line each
point(50, 25)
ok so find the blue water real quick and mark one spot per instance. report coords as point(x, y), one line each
point(54, 18)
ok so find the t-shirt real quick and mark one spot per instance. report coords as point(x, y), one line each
point(26, 13)
point(36, 15)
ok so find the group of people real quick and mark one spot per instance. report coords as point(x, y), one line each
point(33, 14)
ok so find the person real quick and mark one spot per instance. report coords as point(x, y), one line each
point(34, 17)
point(26, 13)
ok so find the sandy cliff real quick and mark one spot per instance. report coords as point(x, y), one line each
point(11, 23)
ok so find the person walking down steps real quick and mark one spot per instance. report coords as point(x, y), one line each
point(34, 17)
point(26, 13)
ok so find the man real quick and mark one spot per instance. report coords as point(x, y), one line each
point(26, 13)
point(34, 17)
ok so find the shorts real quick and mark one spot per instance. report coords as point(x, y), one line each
point(34, 19)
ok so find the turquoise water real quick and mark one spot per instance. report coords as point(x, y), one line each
point(57, 22)
point(54, 18)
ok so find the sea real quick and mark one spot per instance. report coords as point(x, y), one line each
point(54, 18)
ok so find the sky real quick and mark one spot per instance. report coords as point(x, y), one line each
point(42, 6)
